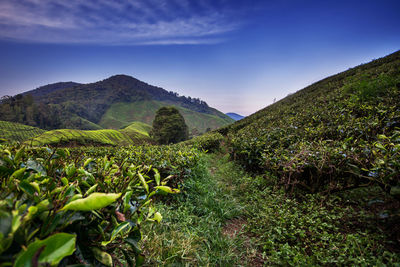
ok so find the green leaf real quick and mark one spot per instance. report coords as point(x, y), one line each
point(139, 259)
point(380, 146)
point(55, 248)
point(91, 189)
point(102, 257)
point(133, 239)
point(94, 201)
point(127, 198)
point(157, 176)
point(119, 229)
point(64, 181)
point(157, 217)
point(34, 165)
point(17, 174)
point(87, 162)
point(27, 187)
point(167, 189)
point(70, 170)
point(143, 181)
point(19, 154)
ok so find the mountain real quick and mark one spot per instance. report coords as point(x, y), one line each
point(234, 116)
point(340, 133)
point(50, 88)
point(111, 103)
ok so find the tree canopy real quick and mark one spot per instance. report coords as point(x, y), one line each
point(169, 126)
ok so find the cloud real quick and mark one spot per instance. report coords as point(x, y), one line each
point(126, 22)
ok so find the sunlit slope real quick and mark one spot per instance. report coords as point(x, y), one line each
point(121, 114)
point(12, 131)
point(94, 137)
point(137, 127)
point(337, 133)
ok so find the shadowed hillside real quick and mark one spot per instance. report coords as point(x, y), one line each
point(116, 102)
point(341, 132)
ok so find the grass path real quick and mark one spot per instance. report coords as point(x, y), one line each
point(224, 217)
point(202, 225)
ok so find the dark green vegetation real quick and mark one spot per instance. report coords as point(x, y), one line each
point(83, 206)
point(11, 131)
point(276, 229)
point(121, 114)
point(169, 126)
point(24, 110)
point(311, 180)
point(112, 103)
point(337, 134)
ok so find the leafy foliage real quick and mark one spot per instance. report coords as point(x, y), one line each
point(12, 131)
point(71, 137)
point(336, 134)
point(23, 109)
point(59, 202)
point(210, 142)
point(169, 126)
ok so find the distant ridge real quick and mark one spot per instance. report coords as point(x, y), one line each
point(234, 116)
point(50, 88)
point(113, 103)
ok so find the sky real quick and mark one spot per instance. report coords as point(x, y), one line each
point(237, 55)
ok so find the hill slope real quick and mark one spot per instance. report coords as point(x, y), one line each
point(50, 88)
point(106, 137)
point(13, 131)
point(341, 132)
point(123, 113)
point(96, 102)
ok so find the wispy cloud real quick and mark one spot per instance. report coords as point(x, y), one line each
point(117, 22)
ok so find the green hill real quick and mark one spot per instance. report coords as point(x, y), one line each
point(120, 114)
point(106, 137)
point(342, 132)
point(137, 127)
point(12, 131)
point(86, 106)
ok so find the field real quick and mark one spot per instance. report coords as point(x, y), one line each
point(121, 114)
point(107, 137)
point(12, 131)
point(312, 180)
point(135, 133)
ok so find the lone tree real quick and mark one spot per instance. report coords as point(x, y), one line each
point(169, 126)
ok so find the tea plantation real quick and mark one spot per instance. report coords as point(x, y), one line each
point(312, 180)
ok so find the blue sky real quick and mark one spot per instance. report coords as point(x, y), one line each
point(238, 56)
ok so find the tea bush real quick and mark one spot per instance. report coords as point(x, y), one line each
point(337, 134)
point(82, 206)
point(210, 142)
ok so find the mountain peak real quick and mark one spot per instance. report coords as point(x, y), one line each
point(121, 78)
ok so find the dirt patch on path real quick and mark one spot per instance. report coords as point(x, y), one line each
point(235, 228)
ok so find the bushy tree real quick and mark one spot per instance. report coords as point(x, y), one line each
point(169, 126)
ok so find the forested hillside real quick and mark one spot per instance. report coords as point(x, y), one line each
point(93, 106)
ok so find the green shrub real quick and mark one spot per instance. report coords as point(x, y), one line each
point(74, 209)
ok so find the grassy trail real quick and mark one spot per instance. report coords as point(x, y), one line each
point(224, 217)
point(202, 225)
